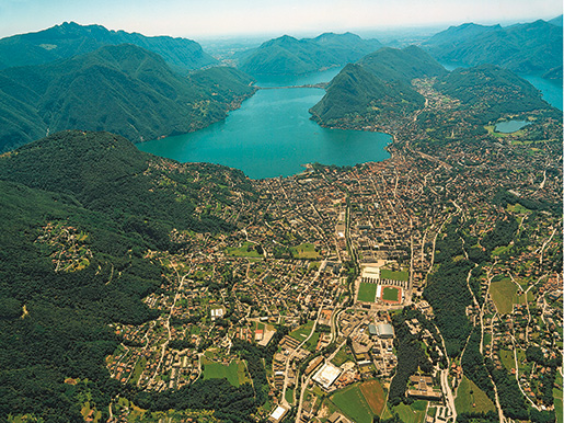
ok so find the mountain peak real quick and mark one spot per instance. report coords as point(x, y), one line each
point(72, 39)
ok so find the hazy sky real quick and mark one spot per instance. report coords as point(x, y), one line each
point(205, 18)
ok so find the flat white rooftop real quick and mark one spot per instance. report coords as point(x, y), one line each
point(278, 413)
point(370, 272)
point(327, 375)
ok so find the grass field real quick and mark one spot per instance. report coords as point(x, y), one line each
point(312, 343)
point(245, 250)
point(342, 357)
point(518, 208)
point(557, 392)
point(290, 396)
point(234, 372)
point(352, 403)
point(507, 358)
point(301, 333)
point(471, 399)
point(414, 413)
point(305, 251)
point(390, 293)
point(374, 394)
point(139, 367)
point(402, 275)
point(504, 295)
point(367, 292)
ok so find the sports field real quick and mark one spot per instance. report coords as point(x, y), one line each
point(367, 292)
point(401, 275)
point(391, 294)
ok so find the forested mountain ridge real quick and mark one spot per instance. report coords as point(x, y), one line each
point(71, 39)
point(123, 89)
point(106, 172)
point(556, 21)
point(287, 55)
point(379, 83)
point(531, 48)
point(492, 90)
point(411, 62)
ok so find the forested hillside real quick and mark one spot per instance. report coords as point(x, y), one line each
point(378, 84)
point(105, 203)
point(123, 89)
point(531, 48)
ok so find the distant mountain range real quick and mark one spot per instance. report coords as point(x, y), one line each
point(71, 39)
point(123, 89)
point(531, 48)
point(559, 21)
point(291, 56)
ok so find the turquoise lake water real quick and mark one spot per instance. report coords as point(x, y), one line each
point(271, 135)
point(511, 126)
point(551, 90)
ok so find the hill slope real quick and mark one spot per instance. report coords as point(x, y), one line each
point(378, 84)
point(123, 89)
point(532, 48)
point(290, 56)
point(78, 213)
point(492, 89)
point(71, 39)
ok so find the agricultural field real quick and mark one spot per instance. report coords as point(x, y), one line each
point(374, 395)
point(471, 399)
point(352, 403)
point(367, 292)
point(234, 373)
point(504, 295)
